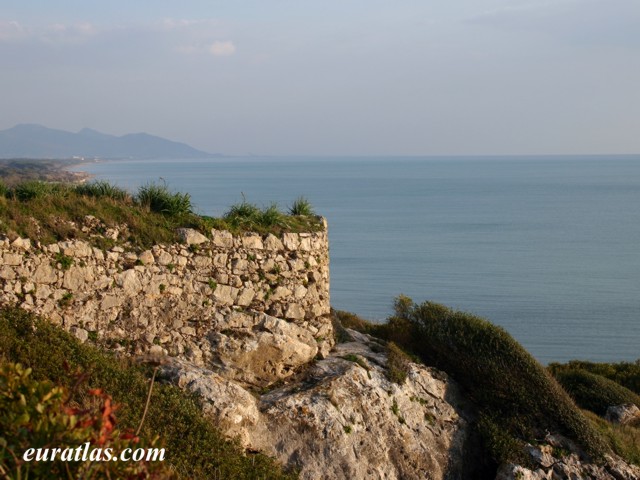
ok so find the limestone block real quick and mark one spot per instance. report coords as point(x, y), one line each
point(221, 238)
point(164, 258)
point(225, 294)
point(21, 243)
point(280, 293)
point(7, 273)
point(191, 236)
point(246, 297)
point(129, 282)
point(147, 258)
point(74, 278)
point(291, 241)
point(76, 248)
point(12, 259)
point(201, 261)
point(273, 243)
point(252, 240)
point(294, 312)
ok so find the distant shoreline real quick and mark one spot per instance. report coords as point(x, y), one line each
point(16, 170)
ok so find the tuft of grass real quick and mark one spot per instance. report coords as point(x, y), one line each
point(517, 399)
point(158, 198)
point(194, 447)
point(102, 189)
point(32, 189)
point(247, 216)
point(594, 392)
point(301, 206)
point(65, 261)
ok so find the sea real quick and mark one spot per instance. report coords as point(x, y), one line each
point(546, 247)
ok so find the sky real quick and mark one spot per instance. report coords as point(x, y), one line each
point(331, 77)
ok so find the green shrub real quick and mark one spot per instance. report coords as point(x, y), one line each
point(36, 414)
point(4, 190)
point(397, 364)
point(159, 199)
point(516, 396)
point(194, 447)
point(594, 392)
point(301, 206)
point(102, 189)
point(626, 374)
point(65, 261)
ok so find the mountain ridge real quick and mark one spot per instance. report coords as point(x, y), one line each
point(37, 141)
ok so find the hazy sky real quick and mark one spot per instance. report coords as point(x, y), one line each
point(356, 77)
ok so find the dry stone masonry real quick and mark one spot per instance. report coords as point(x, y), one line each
point(253, 306)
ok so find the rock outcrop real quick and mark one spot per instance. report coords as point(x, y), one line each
point(557, 458)
point(343, 418)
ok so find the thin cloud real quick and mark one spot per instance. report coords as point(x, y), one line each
point(12, 30)
point(222, 48)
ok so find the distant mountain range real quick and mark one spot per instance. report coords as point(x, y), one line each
point(36, 141)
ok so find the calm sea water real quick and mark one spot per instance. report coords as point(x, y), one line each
point(547, 247)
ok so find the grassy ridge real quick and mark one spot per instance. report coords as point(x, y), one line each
point(51, 212)
point(195, 448)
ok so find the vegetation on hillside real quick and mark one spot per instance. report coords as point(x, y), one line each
point(595, 392)
point(194, 447)
point(50, 212)
point(516, 398)
point(626, 374)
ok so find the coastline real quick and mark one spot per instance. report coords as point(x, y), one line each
point(15, 170)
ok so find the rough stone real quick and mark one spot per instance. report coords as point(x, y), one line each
point(191, 236)
point(221, 238)
point(21, 243)
point(623, 414)
point(252, 241)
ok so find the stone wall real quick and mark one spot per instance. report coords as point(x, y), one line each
point(240, 303)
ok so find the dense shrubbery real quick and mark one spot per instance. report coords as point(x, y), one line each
point(194, 448)
point(50, 212)
point(594, 392)
point(626, 374)
point(516, 398)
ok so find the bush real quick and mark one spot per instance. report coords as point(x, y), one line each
point(301, 206)
point(102, 189)
point(159, 199)
point(517, 398)
point(626, 374)
point(594, 392)
point(194, 447)
point(36, 414)
point(397, 364)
